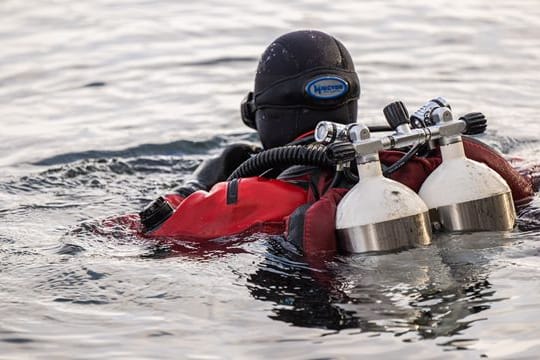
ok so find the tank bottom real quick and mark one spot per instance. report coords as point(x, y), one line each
point(494, 213)
point(387, 235)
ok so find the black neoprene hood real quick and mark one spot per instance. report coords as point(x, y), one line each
point(303, 77)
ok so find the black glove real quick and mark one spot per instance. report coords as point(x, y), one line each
point(212, 171)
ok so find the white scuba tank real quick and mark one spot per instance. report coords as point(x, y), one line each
point(380, 214)
point(465, 195)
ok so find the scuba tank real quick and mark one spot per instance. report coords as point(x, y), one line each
point(377, 214)
point(461, 194)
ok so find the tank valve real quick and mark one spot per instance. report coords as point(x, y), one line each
point(423, 117)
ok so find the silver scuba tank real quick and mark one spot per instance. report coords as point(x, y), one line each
point(380, 214)
point(377, 214)
point(463, 194)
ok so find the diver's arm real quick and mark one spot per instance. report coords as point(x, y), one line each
point(212, 171)
point(208, 174)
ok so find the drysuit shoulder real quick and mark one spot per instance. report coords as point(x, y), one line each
point(233, 207)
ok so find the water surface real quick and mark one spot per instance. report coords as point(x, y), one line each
point(108, 104)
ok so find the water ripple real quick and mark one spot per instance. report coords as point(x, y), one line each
point(107, 104)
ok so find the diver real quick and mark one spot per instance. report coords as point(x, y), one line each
point(302, 78)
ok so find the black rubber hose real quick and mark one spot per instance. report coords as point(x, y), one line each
point(403, 160)
point(284, 156)
point(335, 181)
point(353, 178)
point(349, 175)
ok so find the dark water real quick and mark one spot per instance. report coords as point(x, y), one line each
point(107, 104)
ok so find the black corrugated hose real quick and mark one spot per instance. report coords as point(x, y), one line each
point(284, 156)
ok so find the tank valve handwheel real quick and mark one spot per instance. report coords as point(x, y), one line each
point(341, 152)
point(476, 123)
point(396, 114)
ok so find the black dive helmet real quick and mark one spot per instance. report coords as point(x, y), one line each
point(303, 77)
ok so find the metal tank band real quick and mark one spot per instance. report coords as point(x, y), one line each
point(388, 235)
point(495, 213)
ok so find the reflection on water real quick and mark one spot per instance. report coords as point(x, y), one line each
point(417, 294)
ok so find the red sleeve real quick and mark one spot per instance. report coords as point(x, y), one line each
point(174, 199)
point(233, 207)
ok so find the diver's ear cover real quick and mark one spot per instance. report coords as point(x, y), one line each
point(247, 110)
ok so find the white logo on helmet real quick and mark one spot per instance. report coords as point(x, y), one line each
point(327, 87)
